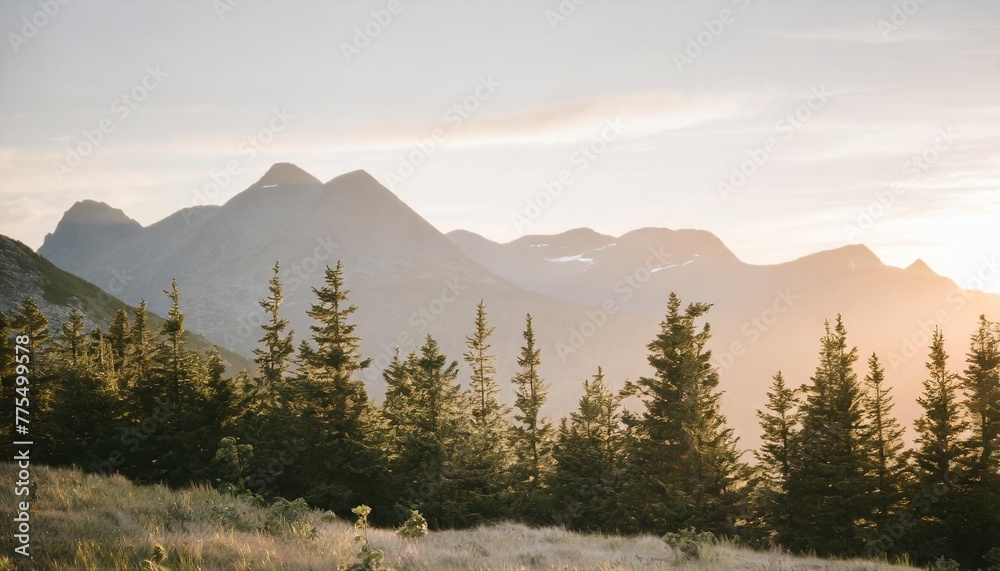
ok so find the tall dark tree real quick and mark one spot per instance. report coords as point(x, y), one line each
point(831, 469)
point(118, 337)
point(981, 382)
point(885, 441)
point(272, 357)
point(979, 494)
point(585, 483)
point(939, 458)
point(330, 407)
point(487, 455)
point(780, 424)
point(685, 461)
point(532, 435)
point(429, 437)
point(71, 345)
point(31, 322)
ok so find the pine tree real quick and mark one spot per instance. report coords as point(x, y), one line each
point(586, 480)
point(486, 456)
point(331, 415)
point(31, 322)
point(272, 358)
point(429, 436)
point(831, 468)
point(939, 446)
point(939, 458)
point(71, 345)
point(532, 436)
point(779, 423)
point(979, 495)
point(981, 382)
point(685, 465)
point(141, 348)
point(118, 333)
point(885, 438)
point(79, 425)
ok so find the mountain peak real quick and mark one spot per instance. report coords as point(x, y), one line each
point(920, 267)
point(358, 177)
point(93, 212)
point(287, 174)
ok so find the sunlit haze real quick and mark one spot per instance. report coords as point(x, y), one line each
point(784, 128)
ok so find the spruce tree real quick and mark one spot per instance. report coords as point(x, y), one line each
point(532, 435)
point(885, 439)
point(31, 322)
point(980, 493)
point(981, 382)
point(585, 482)
point(430, 435)
point(71, 346)
point(332, 417)
point(939, 458)
point(272, 358)
point(486, 456)
point(685, 465)
point(118, 336)
point(831, 469)
point(780, 424)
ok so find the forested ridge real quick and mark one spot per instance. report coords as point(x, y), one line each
point(832, 476)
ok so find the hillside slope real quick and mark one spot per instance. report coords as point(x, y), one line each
point(23, 274)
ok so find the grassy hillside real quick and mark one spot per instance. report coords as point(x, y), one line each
point(24, 273)
point(82, 521)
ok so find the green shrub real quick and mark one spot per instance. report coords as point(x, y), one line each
point(690, 543)
point(414, 527)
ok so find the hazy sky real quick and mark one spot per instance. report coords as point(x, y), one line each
point(820, 107)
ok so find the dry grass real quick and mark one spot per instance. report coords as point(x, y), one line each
point(85, 521)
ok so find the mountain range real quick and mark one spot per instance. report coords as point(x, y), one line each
point(595, 299)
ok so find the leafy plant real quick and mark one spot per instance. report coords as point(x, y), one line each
point(368, 559)
point(689, 542)
point(414, 527)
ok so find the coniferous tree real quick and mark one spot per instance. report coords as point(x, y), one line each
point(979, 494)
point(82, 413)
point(981, 382)
point(779, 423)
point(585, 482)
point(331, 414)
point(31, 322)
point(272, 358)
point(429, 436)
point(118, 338)
point(831, 468)
point(685, 466)
point(885, 438)
point(939, 457)
point(531, 438)
point(486, 456)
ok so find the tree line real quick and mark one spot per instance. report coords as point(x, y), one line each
point(832, 475)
